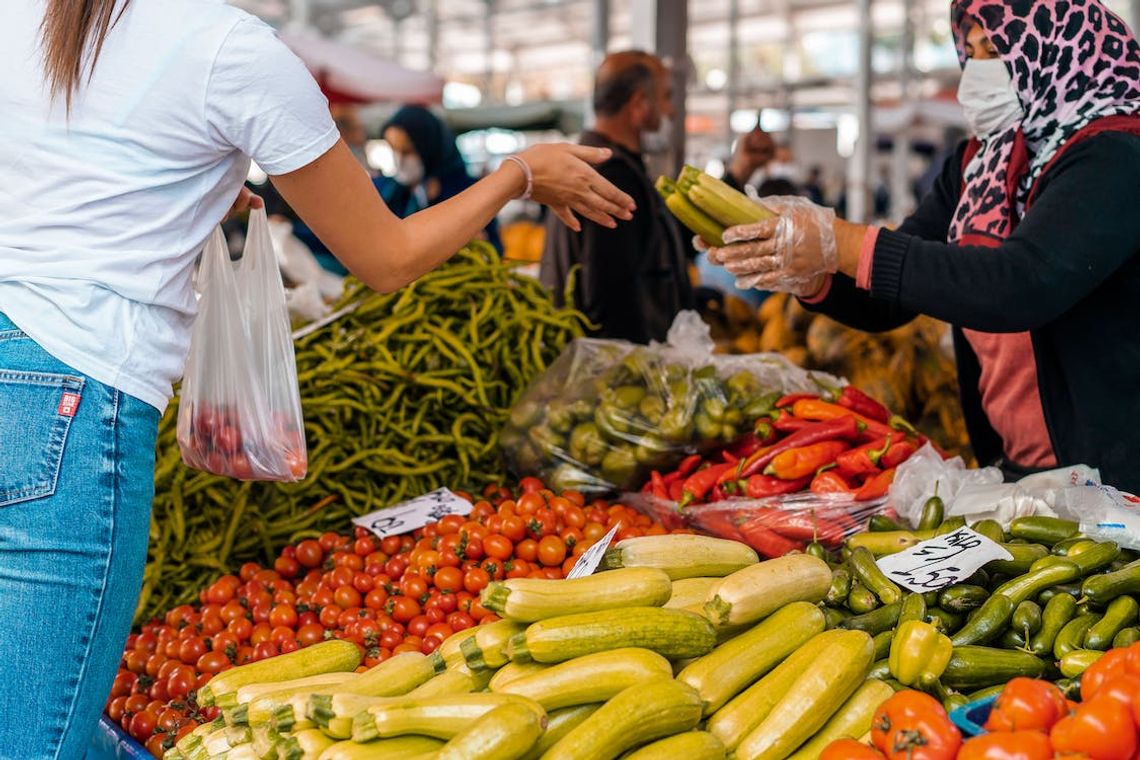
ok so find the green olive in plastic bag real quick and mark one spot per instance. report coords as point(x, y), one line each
point(733, 417)
point(559, 417)
point(676, 425)
point(546, 439)
point(525, 414)
point(583, 410)
point(742, 385)
point(527, 458)
point(620, 467)
point(587, 445)
point(612, 422)
point(714, 408)
point(707, 428)
point(652, 451)
point(567, 477)
point(627, 397)
point(652, 408)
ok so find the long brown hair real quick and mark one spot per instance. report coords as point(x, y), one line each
point(73, 35)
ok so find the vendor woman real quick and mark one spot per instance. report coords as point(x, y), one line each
point(1028, 244)
point(126, 133)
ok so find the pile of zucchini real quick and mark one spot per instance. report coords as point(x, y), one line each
point(687, 647)
point(1050, 611)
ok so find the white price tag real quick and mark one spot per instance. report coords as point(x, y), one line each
point(592, 557)
point(942, 561)
point(415, 513)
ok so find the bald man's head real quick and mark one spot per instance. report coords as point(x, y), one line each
point(624, 76)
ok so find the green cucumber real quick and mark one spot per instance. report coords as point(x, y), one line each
point(863, 568)
point(1027, 619)
point(1043, 530)
point(991, 529)
point(974, 667)
point(1057, 613)
point(876, 621)
point(1031, 584)
point(913, 608)
point(945, 621)
point(1126, 637)
point(1072, 636)
point(861, 600)
point(1102, 589)
point(987, 622)
point(962, 597)
point(1024, 555)
point(1120, 613)
point(840, 586)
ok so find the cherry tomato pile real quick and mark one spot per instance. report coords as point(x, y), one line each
point(397, 594)
point(211, 440)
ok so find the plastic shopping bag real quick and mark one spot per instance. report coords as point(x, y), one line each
point(240, 413)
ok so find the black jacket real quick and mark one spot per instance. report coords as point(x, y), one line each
point(1069, 275)
point(633, 280)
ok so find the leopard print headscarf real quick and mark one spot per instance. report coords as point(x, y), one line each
point(1072, 62)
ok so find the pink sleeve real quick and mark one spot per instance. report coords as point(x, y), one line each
point(822, 294)
point(866, 258)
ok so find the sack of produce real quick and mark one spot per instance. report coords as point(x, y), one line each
point(240, 414)
point(607, 413)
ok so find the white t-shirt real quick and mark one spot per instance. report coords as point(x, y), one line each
point(103, 213)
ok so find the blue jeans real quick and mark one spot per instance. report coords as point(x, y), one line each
point(76, 485)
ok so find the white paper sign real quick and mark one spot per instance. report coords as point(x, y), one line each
point(415, 513)
point(942, 561)
point(592, 557)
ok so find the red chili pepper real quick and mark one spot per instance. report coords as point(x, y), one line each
point(701, 482)
point(689, 465)
point(898, 453)
point(804, 525)
point(876, 486)
point(791, 398)
point(729, 457)
point(744, 448)
point(789, 423)
point(846, 427)
point(821, 410)
point(858, 401)
point(761, 486)
point(843, 517)
point(831, 481)
point(718, 494)
point(766, 541)
point(863, 460)
point(720, 522)
point(765, 431)
point(672, 477)
point(803, 461)
point(660, 490)
point(676, 490)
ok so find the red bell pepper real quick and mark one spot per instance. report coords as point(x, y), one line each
point(858, 401)
point(698, 485)
point(846, 427)
point(863, 460)
point(761, 486)
point(821, 410)
point(876, 486)
point(898, 453)
point(803, 461)
point(786, 422)
point(792, 398)
point(766, 541)
point(831, 481)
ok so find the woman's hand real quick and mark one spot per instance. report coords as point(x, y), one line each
point(246, 200)
point(792, 253)
point(565, 180)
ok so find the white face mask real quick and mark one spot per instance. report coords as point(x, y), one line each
point(988, 97)
point(660, 139)
point(409, 169)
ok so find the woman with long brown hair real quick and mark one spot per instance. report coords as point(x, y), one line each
point(127, 132)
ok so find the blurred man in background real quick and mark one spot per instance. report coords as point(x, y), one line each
point(634, 277)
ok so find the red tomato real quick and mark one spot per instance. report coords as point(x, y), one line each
point(213, 662)
point(116, 708)
point(191, 649)
point(156, 744)
point(286, 567)
point(124, 683)
point(329, 541)
point(527, 549)
point(181, 682)
point(1101, 728)
point(849, 749)
point(414, 586)
point(551, 551)
point(448, 579)
point(265, 650)
point(283, 615)
point(418, 625)
point(404, 609)
point(347, 596)
point(1013, 745)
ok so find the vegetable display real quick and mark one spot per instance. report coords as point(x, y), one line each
point(404, 393)
point(383, 599)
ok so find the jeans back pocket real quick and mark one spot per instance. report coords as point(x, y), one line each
point(36, 409)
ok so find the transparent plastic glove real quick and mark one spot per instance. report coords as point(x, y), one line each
point(793, 253)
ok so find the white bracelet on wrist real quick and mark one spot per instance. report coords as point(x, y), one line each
point(522, 164)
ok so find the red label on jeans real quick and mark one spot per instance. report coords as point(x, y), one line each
point(68, 404)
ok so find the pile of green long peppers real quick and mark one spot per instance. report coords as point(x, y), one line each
point(405, 394)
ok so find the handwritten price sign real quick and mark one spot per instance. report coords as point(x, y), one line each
point(942, 561)
point(592, 557)
point(416, 513)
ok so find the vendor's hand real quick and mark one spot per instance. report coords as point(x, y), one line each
point(792, 253)
point(246, 200)
point(565, 180)
point(753, 151)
